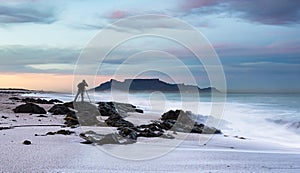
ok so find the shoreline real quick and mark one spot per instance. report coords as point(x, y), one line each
point(62, 150)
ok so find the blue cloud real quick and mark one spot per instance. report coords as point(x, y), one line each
point(27, 12)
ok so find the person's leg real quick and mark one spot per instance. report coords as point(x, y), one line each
point(82, 99)
point(76, 96)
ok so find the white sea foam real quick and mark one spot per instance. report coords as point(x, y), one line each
point(252, 116)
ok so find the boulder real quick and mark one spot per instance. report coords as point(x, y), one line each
point(107, 108)
point(29, 108)
point(59, 109)
point(118, 122)
point(87, 114)
point(61, 132)
point(112, 138)
point(128, 132)
point(69, 104)
point(181, 121)
point(14, 98)
point(26, 142)
point(71, 119)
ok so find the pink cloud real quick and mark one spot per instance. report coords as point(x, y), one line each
point(192, 4)
point(118, 14)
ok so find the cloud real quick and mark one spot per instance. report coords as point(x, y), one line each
point(27, 12)
point(280, 50)
point(37, 59)
point(118, 14)
point(270, 12)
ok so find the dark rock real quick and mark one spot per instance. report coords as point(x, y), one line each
point(42, 116)
point(55, 101)
point(128, 132)
point(14, 98)
point(61, 132)
point(29, 108)
point(59, 109)
point(50, 133)
point(118, 122)
point(112, 138)
point(107, 108)
point(139, 111)
point(170, 115)
point(71, 119)
point(150, 133)
point(26, 142)
point(86, 142)
point(181, 121)
point(4, 117)
point(69, 104)
point(40, 101)
point(64, 132)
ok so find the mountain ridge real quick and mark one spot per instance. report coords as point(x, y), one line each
point(153, 84)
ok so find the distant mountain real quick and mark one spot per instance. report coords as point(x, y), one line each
point(150, 85)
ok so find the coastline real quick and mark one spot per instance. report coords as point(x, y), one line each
point(60, 153)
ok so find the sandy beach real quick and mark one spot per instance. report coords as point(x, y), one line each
point(66, 153)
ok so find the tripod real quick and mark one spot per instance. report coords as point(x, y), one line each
point(88, 96)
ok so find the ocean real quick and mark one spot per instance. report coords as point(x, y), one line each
point(272, 118)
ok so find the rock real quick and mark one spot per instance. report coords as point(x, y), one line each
point(118, 122)
point(87, 114)
point(128, 132)
point(170, 115)
point(61, 132)
point(210, 130)
point(86, 118)
point(42, 116)
point(14, 98)
point(109, 108)
point(55, 101)
point(29, 108)
point(139, 111)
point(69, 104)
point(40, 101)
point(26, 142)
point(4, 117)
point(181, 121)
point(71, 119)
point(59, 109)
point(150, 133)
point(112, 138)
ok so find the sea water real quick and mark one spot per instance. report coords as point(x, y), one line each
point(270, 117)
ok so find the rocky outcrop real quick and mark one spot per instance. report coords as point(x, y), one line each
point(29, 108)
point(111, 108)
point(71, 119)
point(40, 101)
point(116, 120)
point(87, 114)
point(181, 121)
point(112, 138)
point(60, 132)
point(59, 109)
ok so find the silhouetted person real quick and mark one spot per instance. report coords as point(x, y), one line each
point(81, 88)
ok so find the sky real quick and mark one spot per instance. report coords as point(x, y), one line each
point(257, 42)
